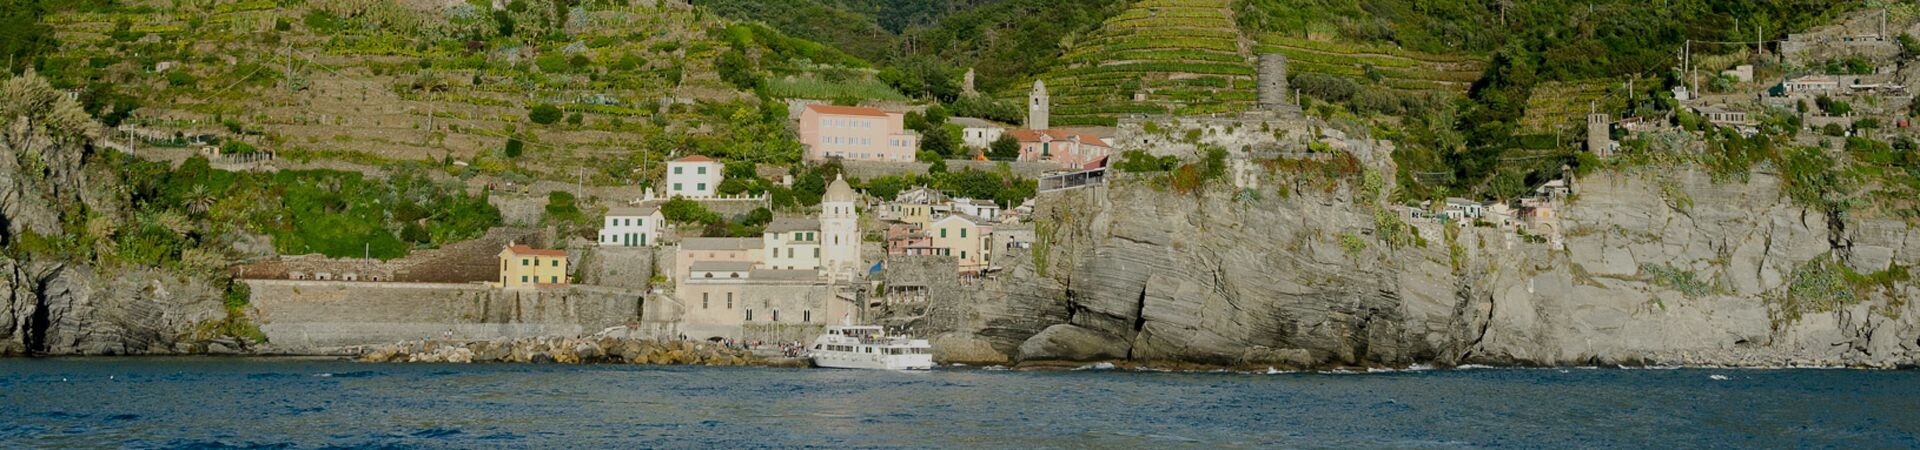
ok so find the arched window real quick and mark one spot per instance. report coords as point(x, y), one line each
point(709, 274)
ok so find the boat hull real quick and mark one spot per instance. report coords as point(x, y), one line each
point(849, 360)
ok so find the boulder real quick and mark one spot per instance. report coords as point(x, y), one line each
point(964, 348)
point(1066, 342)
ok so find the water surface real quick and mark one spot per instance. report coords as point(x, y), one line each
point(291, 403)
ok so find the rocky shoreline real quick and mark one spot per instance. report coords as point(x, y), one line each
point(568, 350)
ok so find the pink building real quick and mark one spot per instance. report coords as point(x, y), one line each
point(1073, 150)
point(856, 134)
point(905, 239)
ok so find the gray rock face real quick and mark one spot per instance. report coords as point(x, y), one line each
point(1072, 343)
point(1706, 278)
point(48, 304)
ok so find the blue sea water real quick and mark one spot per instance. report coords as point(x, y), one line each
point(301, 403)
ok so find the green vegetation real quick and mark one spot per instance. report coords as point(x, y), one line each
point(1825, 284)
point(338, 214)
point(1679, 280)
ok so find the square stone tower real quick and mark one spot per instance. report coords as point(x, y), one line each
point(1037, 106)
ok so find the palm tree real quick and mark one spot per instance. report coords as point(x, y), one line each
point(199, 200)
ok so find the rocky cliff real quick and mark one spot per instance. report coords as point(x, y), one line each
point(1659, 267)
point(53, 301)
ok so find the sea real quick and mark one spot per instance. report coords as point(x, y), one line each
point(205, 402)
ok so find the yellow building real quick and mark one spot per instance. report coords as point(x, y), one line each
point(792, 244)
point(522, 267)
point(965, 238)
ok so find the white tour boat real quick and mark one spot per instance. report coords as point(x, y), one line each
point(869, 347)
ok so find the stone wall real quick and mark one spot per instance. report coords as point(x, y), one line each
point(868, 170)
point(318, 317)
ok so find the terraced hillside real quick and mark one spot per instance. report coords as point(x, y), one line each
point(1562, 107)
point(1391, 67)
point(1157, 57)
point(377, 82)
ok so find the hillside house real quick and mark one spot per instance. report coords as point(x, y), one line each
point(984, 209)
point(1722, 116)
point(632, 227)
point(856, 134)
point(905, 239)
point(1070, 150)
point(1462, 209)
point(1810, 85)
point(966, 238)
point(523, 267)
point(978, 133)
point(694, 177)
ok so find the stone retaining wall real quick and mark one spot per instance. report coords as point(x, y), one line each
point(318, 316)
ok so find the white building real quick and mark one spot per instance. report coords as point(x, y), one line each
point(984, 209)
point(840, 228)
point(978, 133)
point(694, 177)
point(632, 227)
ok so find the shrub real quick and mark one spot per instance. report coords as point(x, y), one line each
point(544, 114)
point(514, 147)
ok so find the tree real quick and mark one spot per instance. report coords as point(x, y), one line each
point(736, 70)
point(1006, 147)
point(939, 141)
point(544, 114)
point(514, 146)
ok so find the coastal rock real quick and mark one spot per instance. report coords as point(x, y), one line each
point(1658, 267)
point(962, 348)
point(1071, 343)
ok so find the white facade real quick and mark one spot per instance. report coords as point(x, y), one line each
point(694, 177)
point(978, 133)
point(984, 209)
point(632, 227)
point(840, 230)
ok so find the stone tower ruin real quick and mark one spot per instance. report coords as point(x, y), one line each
point(1037, 106)
point(1599, 138)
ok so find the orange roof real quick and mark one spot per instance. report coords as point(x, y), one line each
point(1058, 135)
point(530, 251)
point(847, 110)
point(694, 158)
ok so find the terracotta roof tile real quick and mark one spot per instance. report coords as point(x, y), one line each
point(530, 251)
point(694, 158)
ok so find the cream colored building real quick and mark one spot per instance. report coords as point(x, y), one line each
point(692, 250)
point(694, 177)
point(523, 267)
point(792, 244)
point(856, 134)
point(966, 238)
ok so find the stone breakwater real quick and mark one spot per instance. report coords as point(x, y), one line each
point(568, 350)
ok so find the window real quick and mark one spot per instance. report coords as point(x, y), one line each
point(806, 316)
point(943, 232)
point(700, 170)
point(729, 300)
point(963, 232)
point(676, 186)
point(703, 300)
point(963, 254)
point(709, 275)
point(556, 263)
point(776, 315)
point(816, 252)
point(700, 187)
point(523, 278)
point(676, 170)
point(749, 314)
point(525, 262)
point(554, 280)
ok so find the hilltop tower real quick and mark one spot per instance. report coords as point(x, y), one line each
point(1273, 81)
point(840, 230)
point(1599, 139)
point(1037, 106)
